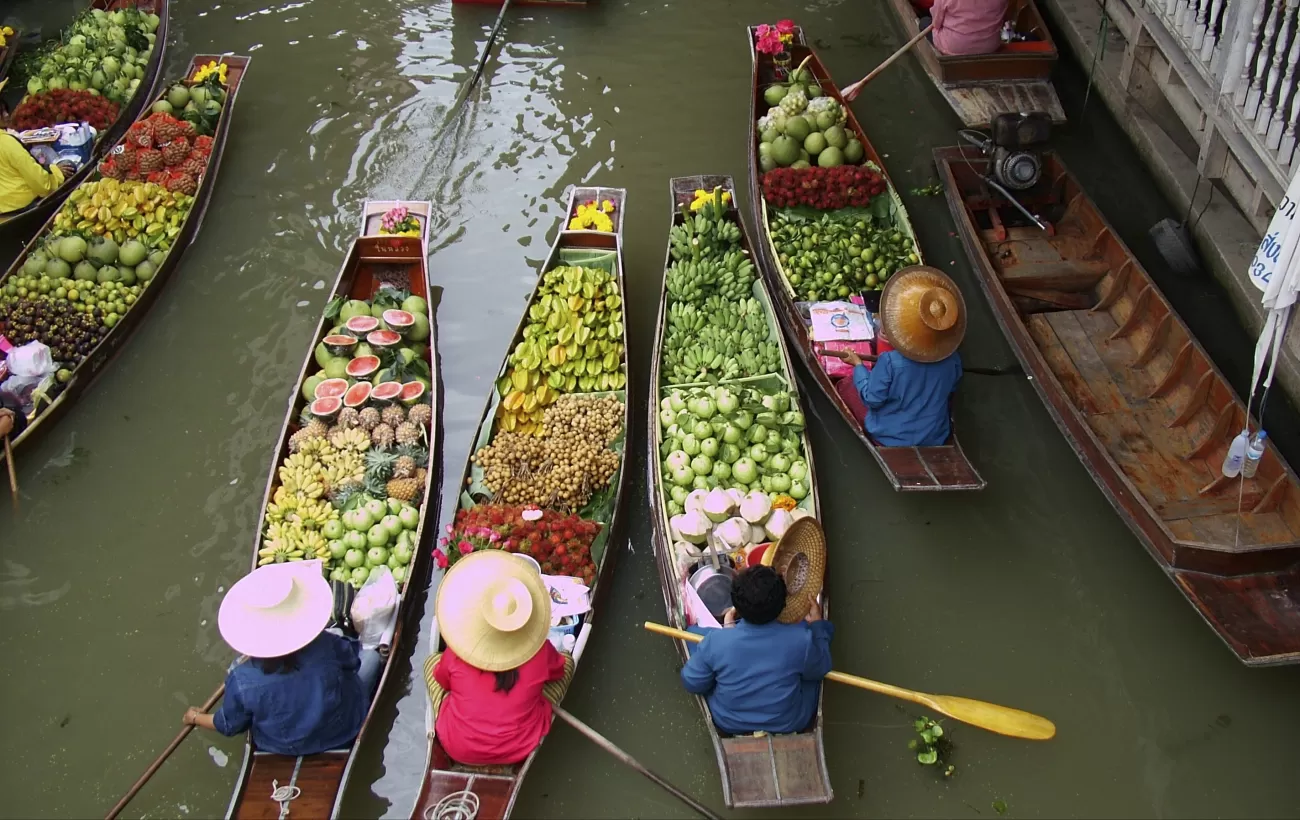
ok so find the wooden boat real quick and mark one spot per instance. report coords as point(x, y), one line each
point(495, 788)
point(497, 3)
point(1142, 404)
point(981, 86)
point(7, 55)
point(145, 96)
point(372, 216)
point(757, 772)
point(322, 778)
point(83, 375)
point(907, 468)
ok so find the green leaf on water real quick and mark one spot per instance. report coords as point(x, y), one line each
point(1000, 806)
point(936, 730)
point(929, 757)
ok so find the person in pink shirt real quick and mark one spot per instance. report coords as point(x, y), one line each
point(967, 26)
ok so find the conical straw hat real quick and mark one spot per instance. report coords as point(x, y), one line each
point(922, 313)
point(800, 557)
point(276, 609)
point(493, 610)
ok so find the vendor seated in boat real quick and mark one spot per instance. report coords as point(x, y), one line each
point(493, 686)
point(23, 180)
point(902, 401)
point(757, 673)
point(302, 690)
point(965, 27)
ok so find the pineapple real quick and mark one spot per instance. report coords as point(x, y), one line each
point(403, 489)
point(407, 433)
point(369, 419)
point(393, 416)
point(382, 436)
point(380, 465)
point(409, 458)
point(420, 415)
point(343, 494)
point(376, 488)
point(349, 417)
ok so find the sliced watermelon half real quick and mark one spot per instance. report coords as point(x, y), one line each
point(386, 392)
point(361, 325)
point(340, 344)
point(331, 388)
point(327, 408)
point(357, 395)
point(399, 321)
point(413, 393)
point(383, 341)
point(363, 367)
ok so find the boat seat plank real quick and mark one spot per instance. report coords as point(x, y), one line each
point(1151, 472)
point(751, 770)
point(1060, 274)
point(1061, 365)
point(1134, 383)
point(493, 792)
point(949, 466)
point(799, 771)
point(1081, 351)
point(319, 778)
point(1256, 529)
point(1257, 615)
point(908, 467)
point(977, 105)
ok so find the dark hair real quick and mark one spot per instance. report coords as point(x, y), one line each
point(758, 594)
point(282, 665)
point(506, 680)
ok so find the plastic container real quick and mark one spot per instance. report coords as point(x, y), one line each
point(1236, 455)
point(1254, 452)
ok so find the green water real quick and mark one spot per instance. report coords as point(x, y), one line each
point(140, 509)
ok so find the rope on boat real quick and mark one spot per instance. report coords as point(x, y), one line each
point(462, 805)
point(286, 794)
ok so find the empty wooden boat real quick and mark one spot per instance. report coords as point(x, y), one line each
point(493, 790)
point(1142, 404)
point(145, 96)
point(908, 468)
point(980, 86)
point(63, 396)
point(374, 210)
point(321, 779)
point(757, 771)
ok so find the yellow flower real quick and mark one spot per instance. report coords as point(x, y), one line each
point(607, 207)
point(703, 198)
point(209, 70)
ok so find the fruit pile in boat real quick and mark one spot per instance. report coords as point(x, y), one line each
point(103, 53)
point(804, 127)
point(351, 486)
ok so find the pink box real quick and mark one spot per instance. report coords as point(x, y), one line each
point(838, 368)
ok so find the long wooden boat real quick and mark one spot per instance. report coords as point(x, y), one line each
point(371, 263)
point(981, 86)
point(372, 215)
point(1143, 405)
point(908, 468)
point(145, 96)
point(495, 788)
point(757, 772)
point(84, 374)
point(497, 3)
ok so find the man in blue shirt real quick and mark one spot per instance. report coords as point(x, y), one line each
point(903, 400)
point(758, 674)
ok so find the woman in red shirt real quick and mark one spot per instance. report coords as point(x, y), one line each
point(493, 686)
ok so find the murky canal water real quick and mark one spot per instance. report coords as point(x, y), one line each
point(139, 510)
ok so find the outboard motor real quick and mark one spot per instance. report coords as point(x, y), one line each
point(1013, 146)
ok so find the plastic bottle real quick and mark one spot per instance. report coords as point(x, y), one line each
point(1253, 454)
point(1236, 454)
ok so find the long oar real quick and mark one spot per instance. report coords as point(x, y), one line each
point(604, 743)
point(162, 758)
point(13, 473)
point(1001, 719)
point(850, 92)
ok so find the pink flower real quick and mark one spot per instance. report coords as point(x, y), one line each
point(443, 540)
point(770, 43)
point(764, 30)
point(785, 26)
point(494, 538)
point(449, 529)
point(465, 547)
point(440, 558)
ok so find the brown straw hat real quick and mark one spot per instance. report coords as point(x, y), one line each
point(800, 558)
point(922, 313)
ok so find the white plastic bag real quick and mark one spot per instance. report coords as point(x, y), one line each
point(29, 365)
point(374, 610)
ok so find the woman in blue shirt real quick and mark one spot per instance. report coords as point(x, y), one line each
point(758, 674)
point(302, 690)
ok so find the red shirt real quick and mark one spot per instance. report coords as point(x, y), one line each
point(479, 726)
point(968, 26)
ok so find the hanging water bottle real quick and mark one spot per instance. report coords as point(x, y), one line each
point(1236, 455)
point(1253, 454)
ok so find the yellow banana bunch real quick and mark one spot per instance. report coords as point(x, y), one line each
point(351, 439)
point(316, 447)
point(311, 515)
point(283, 504)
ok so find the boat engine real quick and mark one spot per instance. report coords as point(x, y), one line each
point(1012, 148)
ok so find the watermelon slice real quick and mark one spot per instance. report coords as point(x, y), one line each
point(340, 344)
point(386, 392)
point(399, 321)
point(357, 395)
point(363, 367)
point(383, 341)
point(412, 393)
point(361, 325)
point(327, 408)
point(331, 388)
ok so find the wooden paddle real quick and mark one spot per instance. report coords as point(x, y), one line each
point(604, 743)
point(850, 92)
point(13, 473)
point(162, 758)
point(1001, 719)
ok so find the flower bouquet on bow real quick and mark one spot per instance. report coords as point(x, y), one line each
point(399, 222)
point(773, 41)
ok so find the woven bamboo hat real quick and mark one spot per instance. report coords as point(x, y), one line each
point(800, 557)
point(922, 313)
point(493, 610)
point(276, 609)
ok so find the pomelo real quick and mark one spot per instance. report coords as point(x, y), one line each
point(352, 308)
point(322, 355)
point(803, 163)
point(145, 270)
point(768, 135)
point(309, 387)
point(72, 249)
point(785, 150)
point(766, 163)
point(773, 94)
point(853, 152)
point(835, 137)
point(330, 388)
point(416, 305)
point(797, 127)
point(831, 157)
point(813, 91)
point(825, 120)
point(336, 367)
point(386, 392)
point(361, 367)
point(420, 331)
point(814, 144)
point(132, 253)
point(357, 395)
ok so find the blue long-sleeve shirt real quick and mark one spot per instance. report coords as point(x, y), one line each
point(907, 400)
point(755, 676)
point(315, 708)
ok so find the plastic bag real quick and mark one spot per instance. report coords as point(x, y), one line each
point(374, 610)
point(29, 366)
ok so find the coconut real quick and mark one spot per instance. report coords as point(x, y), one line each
point(778, 523)
point(756, 507)
point(757, 535)
point(718, 506)
point(695, 499)
point(690, 526)
point(737, 497)
point(733, 533)
point(797, 513)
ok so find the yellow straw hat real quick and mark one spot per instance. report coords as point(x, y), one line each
point(922, 313)
point(493, 610)
point(800, 558)
point(276, 609)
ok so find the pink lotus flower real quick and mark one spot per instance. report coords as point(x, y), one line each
point(465, 547)
point(785, 26)
point(440, 558)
